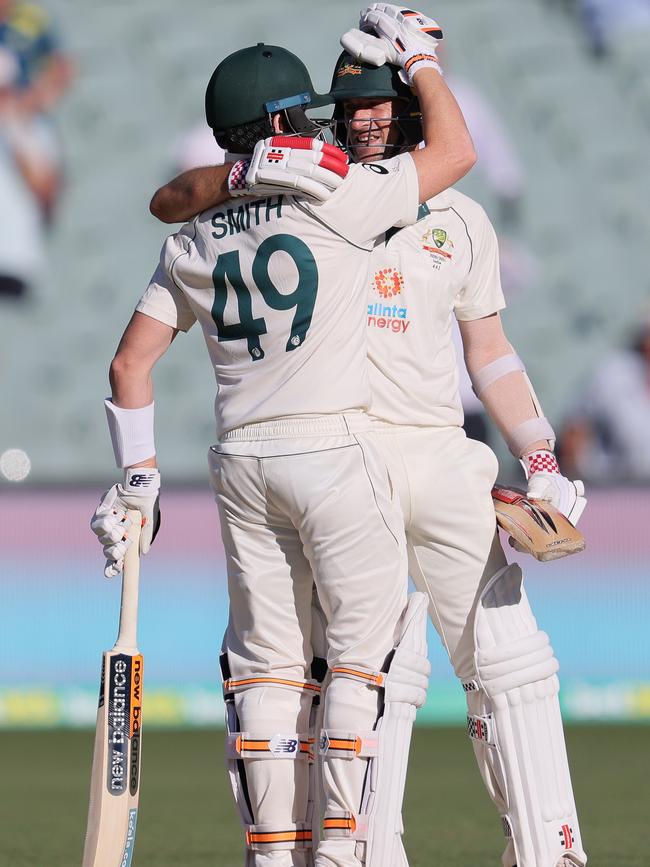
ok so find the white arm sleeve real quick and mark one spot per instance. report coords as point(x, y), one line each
point(481, 293)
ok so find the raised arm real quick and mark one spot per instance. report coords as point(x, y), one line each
point(408, 39)
point(448, 153)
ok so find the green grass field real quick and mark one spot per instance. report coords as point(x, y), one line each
point(187, 818)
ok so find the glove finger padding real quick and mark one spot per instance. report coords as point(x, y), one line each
point(110, 523)
point(366, 47)
point(307, 166)
point(402, 37)
point(110, 527)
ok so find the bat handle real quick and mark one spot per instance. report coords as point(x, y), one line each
point(127, 637)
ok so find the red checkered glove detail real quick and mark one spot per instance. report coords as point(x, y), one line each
point(546, 482)
point(237, 178)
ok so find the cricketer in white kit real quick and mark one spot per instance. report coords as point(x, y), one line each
point(277, 286)
point(444, 265)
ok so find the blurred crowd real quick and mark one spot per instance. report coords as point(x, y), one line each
point(34, 74)
point(602, 439)
point(605, 21)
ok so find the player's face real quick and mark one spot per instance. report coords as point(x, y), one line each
point(370, 127)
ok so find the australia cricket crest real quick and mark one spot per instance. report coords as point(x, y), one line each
point(438, 245)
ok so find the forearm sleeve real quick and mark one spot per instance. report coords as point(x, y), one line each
point(510, 401)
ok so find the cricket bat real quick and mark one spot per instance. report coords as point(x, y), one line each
point(537, 526)
point(115, 779)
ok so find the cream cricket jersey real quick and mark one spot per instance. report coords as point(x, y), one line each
point(278, 286)
point(446, 264)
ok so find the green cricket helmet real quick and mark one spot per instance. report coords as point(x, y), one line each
point(355, 80)
point(249, 86)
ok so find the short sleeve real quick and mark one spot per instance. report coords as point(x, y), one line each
point(163, 299)
point(374, 197)
point(481, 293)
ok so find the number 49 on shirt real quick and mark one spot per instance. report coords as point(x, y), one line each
point(303, 298)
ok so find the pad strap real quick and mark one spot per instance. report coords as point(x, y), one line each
point(232, 686)
point(243, 745)
point(484, 377)
point(266, 838)
point(348, 745)
point(365, 675)
point(351, 826)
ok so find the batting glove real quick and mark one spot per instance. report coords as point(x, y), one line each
point(110, 523)
point(546, 482)
point(396, 35)
point(290, 164)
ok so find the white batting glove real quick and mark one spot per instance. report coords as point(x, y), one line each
point(546, 482)
point(290, 164)
point(395, 35)
point(110, 523)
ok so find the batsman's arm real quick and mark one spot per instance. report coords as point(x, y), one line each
point(144, 342)
point(500, 381)
point(448, 153)
point(190, 193)
point(130, 414)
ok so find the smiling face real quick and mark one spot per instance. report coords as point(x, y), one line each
point(370, 127)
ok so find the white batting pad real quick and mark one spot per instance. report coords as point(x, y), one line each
point(269, 764)
point(378, 823)
point(516, 726)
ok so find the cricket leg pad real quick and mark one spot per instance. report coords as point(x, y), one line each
point(364, 770)
point(269, 751)
point(515, 724)
point(320, 674)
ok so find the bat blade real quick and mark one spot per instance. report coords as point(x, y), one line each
point(115, 778)
point(537, 526)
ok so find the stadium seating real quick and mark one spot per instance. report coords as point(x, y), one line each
point(581, 130)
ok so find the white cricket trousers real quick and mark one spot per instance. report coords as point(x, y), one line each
point(444, 482)
point(298, 497)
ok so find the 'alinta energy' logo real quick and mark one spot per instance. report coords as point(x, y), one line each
point(438, 244)
point(387, 283)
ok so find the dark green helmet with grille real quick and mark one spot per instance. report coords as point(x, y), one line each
point(355, 80)
point(249, 86)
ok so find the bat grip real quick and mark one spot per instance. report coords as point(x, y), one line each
point(127, 638)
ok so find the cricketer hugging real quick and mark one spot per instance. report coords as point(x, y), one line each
point(341, 466)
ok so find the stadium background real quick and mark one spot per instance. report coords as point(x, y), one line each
point(581, 129)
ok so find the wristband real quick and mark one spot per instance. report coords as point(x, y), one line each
point(141, 480)
point(529, 432)
point(418, 60)
point(131, 433)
